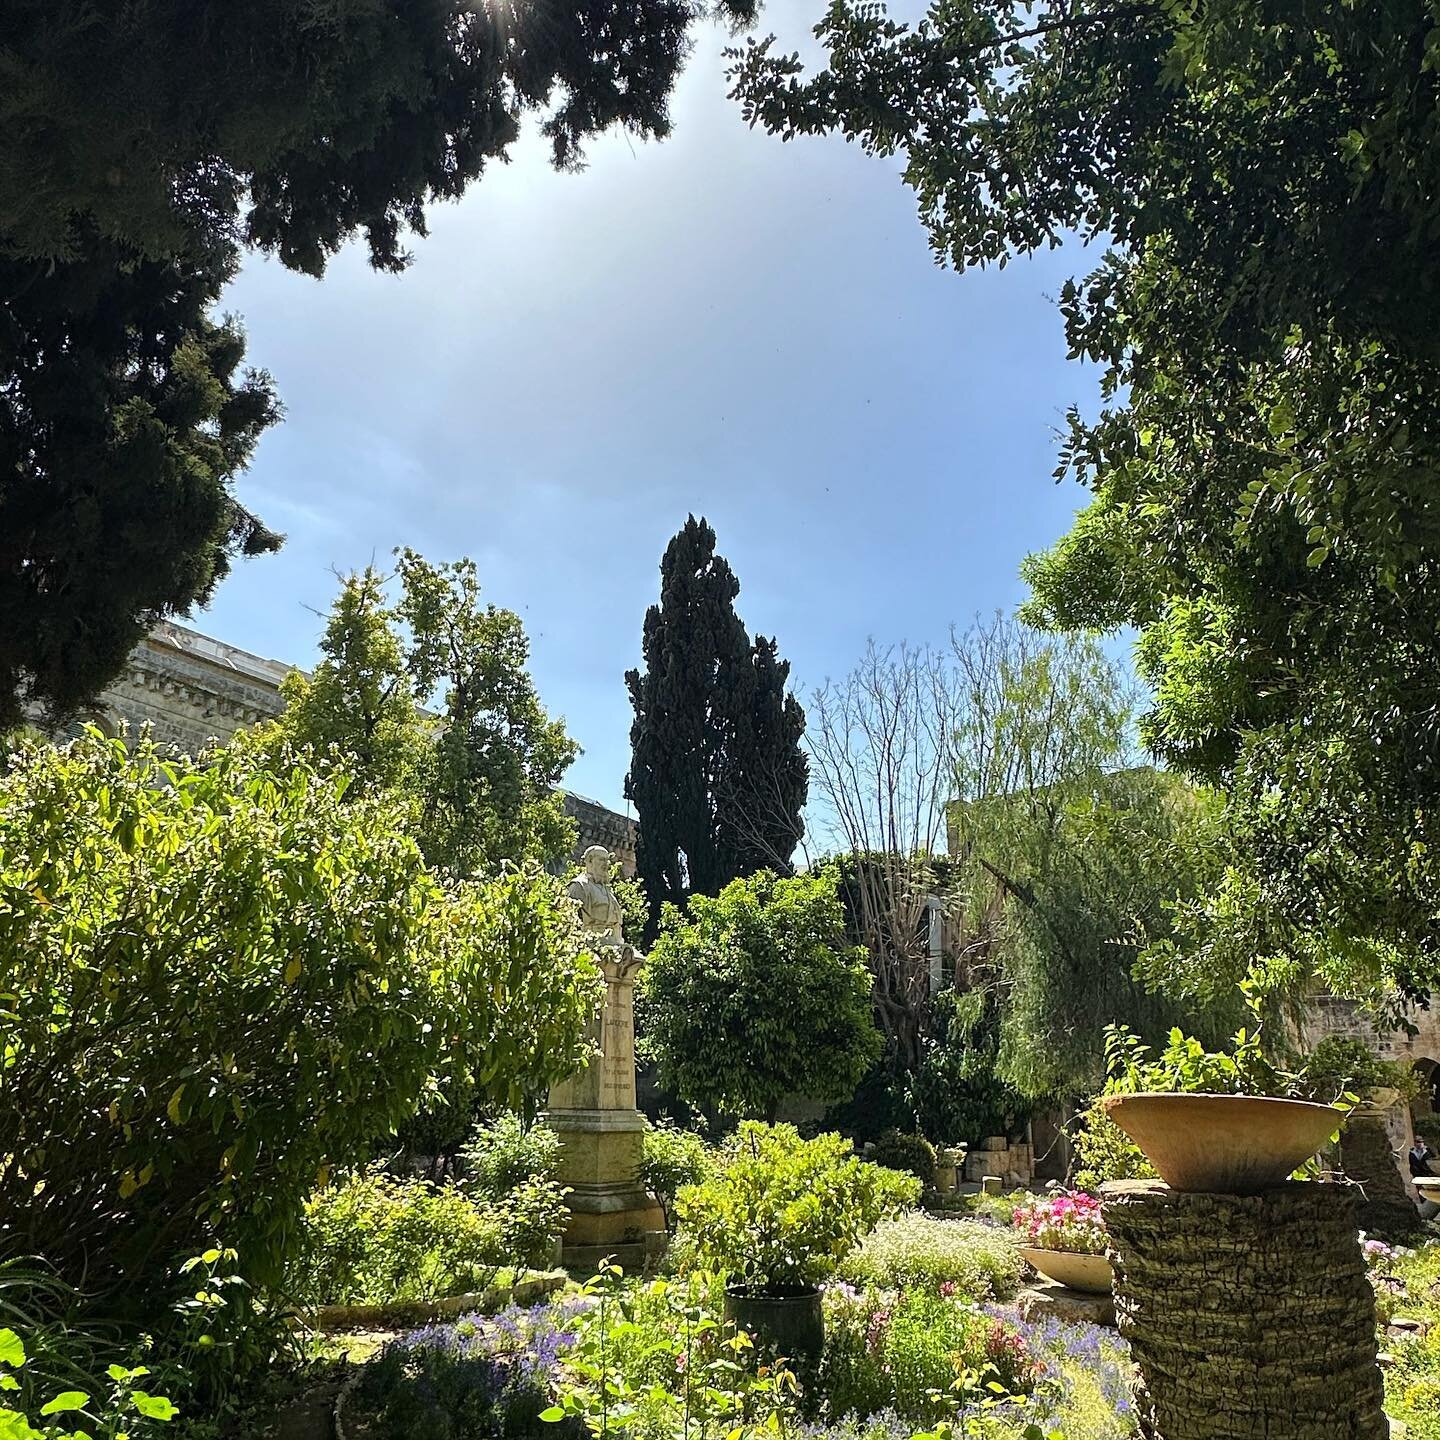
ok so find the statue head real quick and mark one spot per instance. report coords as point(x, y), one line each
point(596, 861)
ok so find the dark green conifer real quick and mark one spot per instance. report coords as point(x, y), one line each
point(717, 774)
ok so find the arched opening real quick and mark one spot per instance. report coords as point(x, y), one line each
point(1425, 1107)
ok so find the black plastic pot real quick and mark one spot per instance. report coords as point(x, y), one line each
point(788, 1321)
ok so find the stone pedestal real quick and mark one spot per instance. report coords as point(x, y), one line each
point(1046, 1298)
point(601, 1135)
point(1249, 1317)
point(1368, 1156)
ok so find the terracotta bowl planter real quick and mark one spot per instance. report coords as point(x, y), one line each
point(1072, 1268)
point(1223, 1144)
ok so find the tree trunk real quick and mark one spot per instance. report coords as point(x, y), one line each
point(1249, 1317)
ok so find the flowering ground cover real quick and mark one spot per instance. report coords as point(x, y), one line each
point(1407, 1288)
point(662, 1364)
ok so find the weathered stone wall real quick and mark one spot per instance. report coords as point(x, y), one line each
point(192, 689)
point(1249, 1317)
point(599, 826)
point(1327, 1015)
point(1330, 1015)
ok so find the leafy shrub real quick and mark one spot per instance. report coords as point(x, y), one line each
point(780, 1212)
point(1343, 1065)
point(918, 1354)
point(954, 1093)
point(992, 1209)
point(1102, 1151)
point(671, 1159)
point(256, 978)
point(657, 1362)
point(505, 1153)
point(376, 1238)
point(913, 1153)
point(1428, 1126)
point(711, 997)
point(917, 1252)
point(1185, 1066)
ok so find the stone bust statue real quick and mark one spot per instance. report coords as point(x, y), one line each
point(600, 913)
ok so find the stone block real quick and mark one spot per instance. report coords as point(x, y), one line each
point(1047, 1298)
point(992, 1185)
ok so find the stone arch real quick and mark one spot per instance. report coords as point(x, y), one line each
point(1427, 1102)
point(106, 723)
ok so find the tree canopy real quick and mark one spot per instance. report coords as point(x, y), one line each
point(473, 778)
point(1268, 179)
point(717, 772)
point(756, 995)
point(145, 148)
point(124, 415)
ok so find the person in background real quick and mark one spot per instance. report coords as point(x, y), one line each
point(1420, 1156)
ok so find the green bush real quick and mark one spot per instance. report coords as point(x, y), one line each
point(1342, 1064)
point(1428, 1126)
point(917, 1252)
point(375, 1238)
point(918, 1355)
point(756, 994)
point(505, 1153)
point(220, 980)
point(912, 1153)
point(780, 1212)
point(994, 1209)
point(672, 1159)
point(658, 1362)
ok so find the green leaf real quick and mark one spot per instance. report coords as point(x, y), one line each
point(12, 1352)
point(154, 1407)
point(66, 1401)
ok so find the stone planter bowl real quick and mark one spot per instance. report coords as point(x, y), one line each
point(1074, 1269)
point(1223, 1144)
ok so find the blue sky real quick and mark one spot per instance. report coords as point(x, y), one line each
point(721, 323)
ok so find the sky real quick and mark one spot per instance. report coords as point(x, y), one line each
point(720, 323)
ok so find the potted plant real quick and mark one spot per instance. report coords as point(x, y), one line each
point(1064, 1239)
point(776, 1217)
point(1214, 1121)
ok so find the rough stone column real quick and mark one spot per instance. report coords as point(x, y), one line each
point(1368, 1157)
point(1250, 1317)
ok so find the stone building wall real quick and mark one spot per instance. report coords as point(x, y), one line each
point(191, 689)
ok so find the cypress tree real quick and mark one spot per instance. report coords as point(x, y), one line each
point(717, 774)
